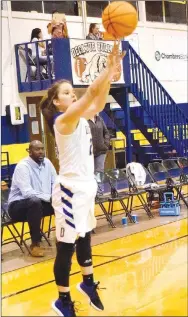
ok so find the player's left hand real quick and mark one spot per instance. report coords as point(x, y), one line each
point(114, 58)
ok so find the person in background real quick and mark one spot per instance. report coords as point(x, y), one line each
point(58, 26)
point(36, 35)
point(31, 191)
point(94, 33)
point(101, 142)
point(57, 32)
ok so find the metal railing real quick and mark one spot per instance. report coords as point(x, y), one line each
point(160, 106)
point(34, 70)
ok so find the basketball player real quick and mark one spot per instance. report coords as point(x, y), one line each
point(75, 189)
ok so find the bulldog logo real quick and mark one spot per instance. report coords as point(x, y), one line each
point(87, 71)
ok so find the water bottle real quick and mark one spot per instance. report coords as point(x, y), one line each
point(124, 221)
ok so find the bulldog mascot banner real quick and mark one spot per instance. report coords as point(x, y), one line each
point(89, 58)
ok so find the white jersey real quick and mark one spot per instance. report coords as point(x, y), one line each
point(76, 153)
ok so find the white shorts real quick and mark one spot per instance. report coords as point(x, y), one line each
point(73, 204)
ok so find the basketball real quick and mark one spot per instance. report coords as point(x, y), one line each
point(120, 19)
point(108, 37)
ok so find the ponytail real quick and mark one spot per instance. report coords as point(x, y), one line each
point(49, 110)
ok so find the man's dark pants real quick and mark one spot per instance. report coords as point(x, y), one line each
point(31, 210)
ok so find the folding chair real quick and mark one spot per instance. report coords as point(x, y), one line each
point(7, 222)
point(119, 191)
point(123, 186)
point(173, 169)
point(142, 181)
point(177, 175)
point(161, 174)
point(4, 206)
point(43, 234)
point(158, 173)
point(6, 177)
point(31, 65)
point(183, 164)
point(103, 195)
point(50, 226)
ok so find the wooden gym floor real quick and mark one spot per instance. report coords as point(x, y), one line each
point(143, 271)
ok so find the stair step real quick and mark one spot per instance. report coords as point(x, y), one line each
point(145, 116)
point(148, 149)
point(160, 145)
point(165, 145)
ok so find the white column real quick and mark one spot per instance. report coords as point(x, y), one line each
point(14, 97)
point(142, 11)
point(84, 19)
point(43, 7)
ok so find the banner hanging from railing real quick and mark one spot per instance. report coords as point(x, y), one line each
point(89, 58)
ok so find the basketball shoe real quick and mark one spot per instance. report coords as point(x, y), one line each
point(64, 309)
point(92, 295)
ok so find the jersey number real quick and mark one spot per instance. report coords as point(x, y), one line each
point(91, 147)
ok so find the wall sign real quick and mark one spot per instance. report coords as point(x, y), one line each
point(16, 114)
point(89, 58)
point(170, 57)
point(32, 110)
point(35, 127)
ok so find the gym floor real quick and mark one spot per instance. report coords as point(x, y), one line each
point(142, 268)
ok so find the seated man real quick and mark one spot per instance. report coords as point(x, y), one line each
point(30, 194)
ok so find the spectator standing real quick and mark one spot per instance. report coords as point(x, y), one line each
point(101, 142)
point(58, 26)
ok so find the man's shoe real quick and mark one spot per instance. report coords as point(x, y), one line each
point(36, 251)
point(64, 309)
point(91, 293)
